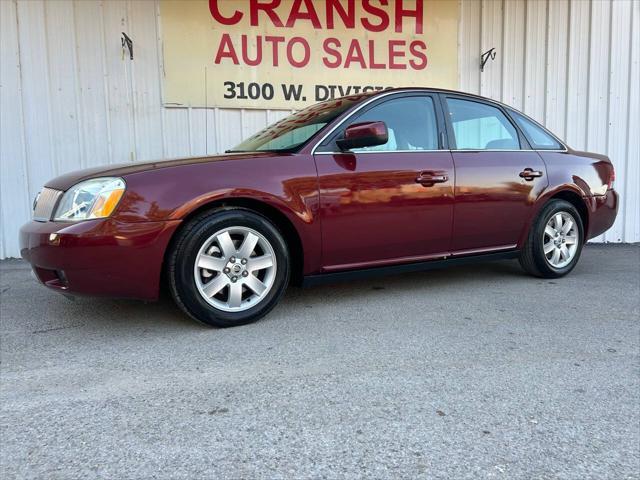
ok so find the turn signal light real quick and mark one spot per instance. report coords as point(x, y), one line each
point(106, 204)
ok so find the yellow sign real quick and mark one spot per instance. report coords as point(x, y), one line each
point(292, 53)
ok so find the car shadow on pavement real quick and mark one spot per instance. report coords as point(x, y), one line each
point(45, 311)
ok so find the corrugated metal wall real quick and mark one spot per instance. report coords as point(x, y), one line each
point(573, 66)
point(69, 99)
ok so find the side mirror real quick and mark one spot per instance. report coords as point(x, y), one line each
point(365, 134)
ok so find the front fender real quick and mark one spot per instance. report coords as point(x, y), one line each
point(287, 185)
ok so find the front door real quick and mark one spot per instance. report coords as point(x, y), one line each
point(393, 202)
point(498, 177)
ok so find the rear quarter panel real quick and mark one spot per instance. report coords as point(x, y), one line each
point(586, 174)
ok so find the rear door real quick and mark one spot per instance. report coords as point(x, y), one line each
point(393, 202)
point(498, 176)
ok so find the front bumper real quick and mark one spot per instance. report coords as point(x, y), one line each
point(98, 257)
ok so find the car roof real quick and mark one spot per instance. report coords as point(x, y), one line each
point(440, 90)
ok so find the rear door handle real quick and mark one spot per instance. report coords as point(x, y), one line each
point(530, 174)
point(428, 179)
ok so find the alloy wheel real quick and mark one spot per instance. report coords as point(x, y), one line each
point(560, 239)
point(235, 269)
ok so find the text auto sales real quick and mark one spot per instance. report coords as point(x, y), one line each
point(274, 50)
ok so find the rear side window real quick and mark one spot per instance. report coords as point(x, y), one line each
point(411, 122)
point(478, 126)
point(539, 138)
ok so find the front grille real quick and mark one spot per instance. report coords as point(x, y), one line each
point(45, 204)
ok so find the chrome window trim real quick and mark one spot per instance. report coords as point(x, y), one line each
point(438, 150)
point(505, 150)
point(475, 150)
point(566, 149)
point(380, 151)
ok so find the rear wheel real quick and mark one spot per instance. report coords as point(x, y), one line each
point(555, 241)
point(228, 267)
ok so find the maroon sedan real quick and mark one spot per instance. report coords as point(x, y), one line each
point(400, 180)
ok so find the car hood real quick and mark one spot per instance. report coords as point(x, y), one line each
point(66, 181)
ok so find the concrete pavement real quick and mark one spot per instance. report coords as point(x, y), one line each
point(471, 372)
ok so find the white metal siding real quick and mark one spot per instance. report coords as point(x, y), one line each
point(69, 100)
point(573, 66)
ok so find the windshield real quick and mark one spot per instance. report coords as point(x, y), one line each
point(292, 132)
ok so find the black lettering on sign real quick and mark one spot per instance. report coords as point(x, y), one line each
point(231, 90)
point(267, 91)
point(253, 91)
point(292, 92)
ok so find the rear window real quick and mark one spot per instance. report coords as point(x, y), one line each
point(538, 137)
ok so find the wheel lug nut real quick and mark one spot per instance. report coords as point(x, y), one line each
point(234, 279)
point(226, 270)
point(232, 259)
point(245, 273)
point(244, 261)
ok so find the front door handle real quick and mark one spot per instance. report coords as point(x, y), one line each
point(530, 174)
point(428, 179)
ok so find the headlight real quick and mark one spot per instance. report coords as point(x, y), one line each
point(95, 198)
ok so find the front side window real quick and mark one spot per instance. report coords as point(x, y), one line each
point(478, 126)
point(411, 122)
point(539, 138)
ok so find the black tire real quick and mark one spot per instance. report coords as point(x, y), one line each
point(532, 257)
point(182, 258)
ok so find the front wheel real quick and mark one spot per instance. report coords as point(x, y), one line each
point(555, 241)
point(228, 267)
